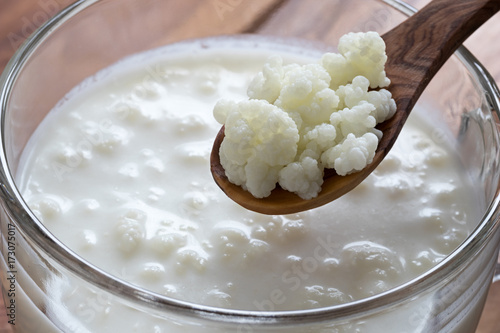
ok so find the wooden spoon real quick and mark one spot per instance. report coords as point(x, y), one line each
point(416, 50)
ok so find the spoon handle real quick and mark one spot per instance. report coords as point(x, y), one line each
point(417, 48)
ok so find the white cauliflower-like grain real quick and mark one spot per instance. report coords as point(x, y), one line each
point(267, 84)
point(357, 120)
point(320, 137)
point(260, 139)
point(301, 119)
point(303, 178)
point(357, 92)
point(353, 154)
point(305, 91)
point(359, 54)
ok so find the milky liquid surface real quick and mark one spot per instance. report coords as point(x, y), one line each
point(119, 172)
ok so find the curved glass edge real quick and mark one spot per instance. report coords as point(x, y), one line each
point(17, 209)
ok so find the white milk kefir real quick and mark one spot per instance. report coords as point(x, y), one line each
point(119, 172)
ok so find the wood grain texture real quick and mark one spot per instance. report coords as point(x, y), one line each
point(417, 49)
point(18, 18)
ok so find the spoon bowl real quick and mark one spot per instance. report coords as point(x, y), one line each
point(416, 50)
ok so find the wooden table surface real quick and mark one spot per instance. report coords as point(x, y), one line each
point(18, 18)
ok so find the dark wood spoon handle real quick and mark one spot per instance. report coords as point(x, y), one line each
point(417, 49)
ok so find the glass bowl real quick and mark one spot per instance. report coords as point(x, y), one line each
point(90, 35)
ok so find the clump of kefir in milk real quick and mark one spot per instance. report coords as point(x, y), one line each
point(119, 172)
point(301, 119)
